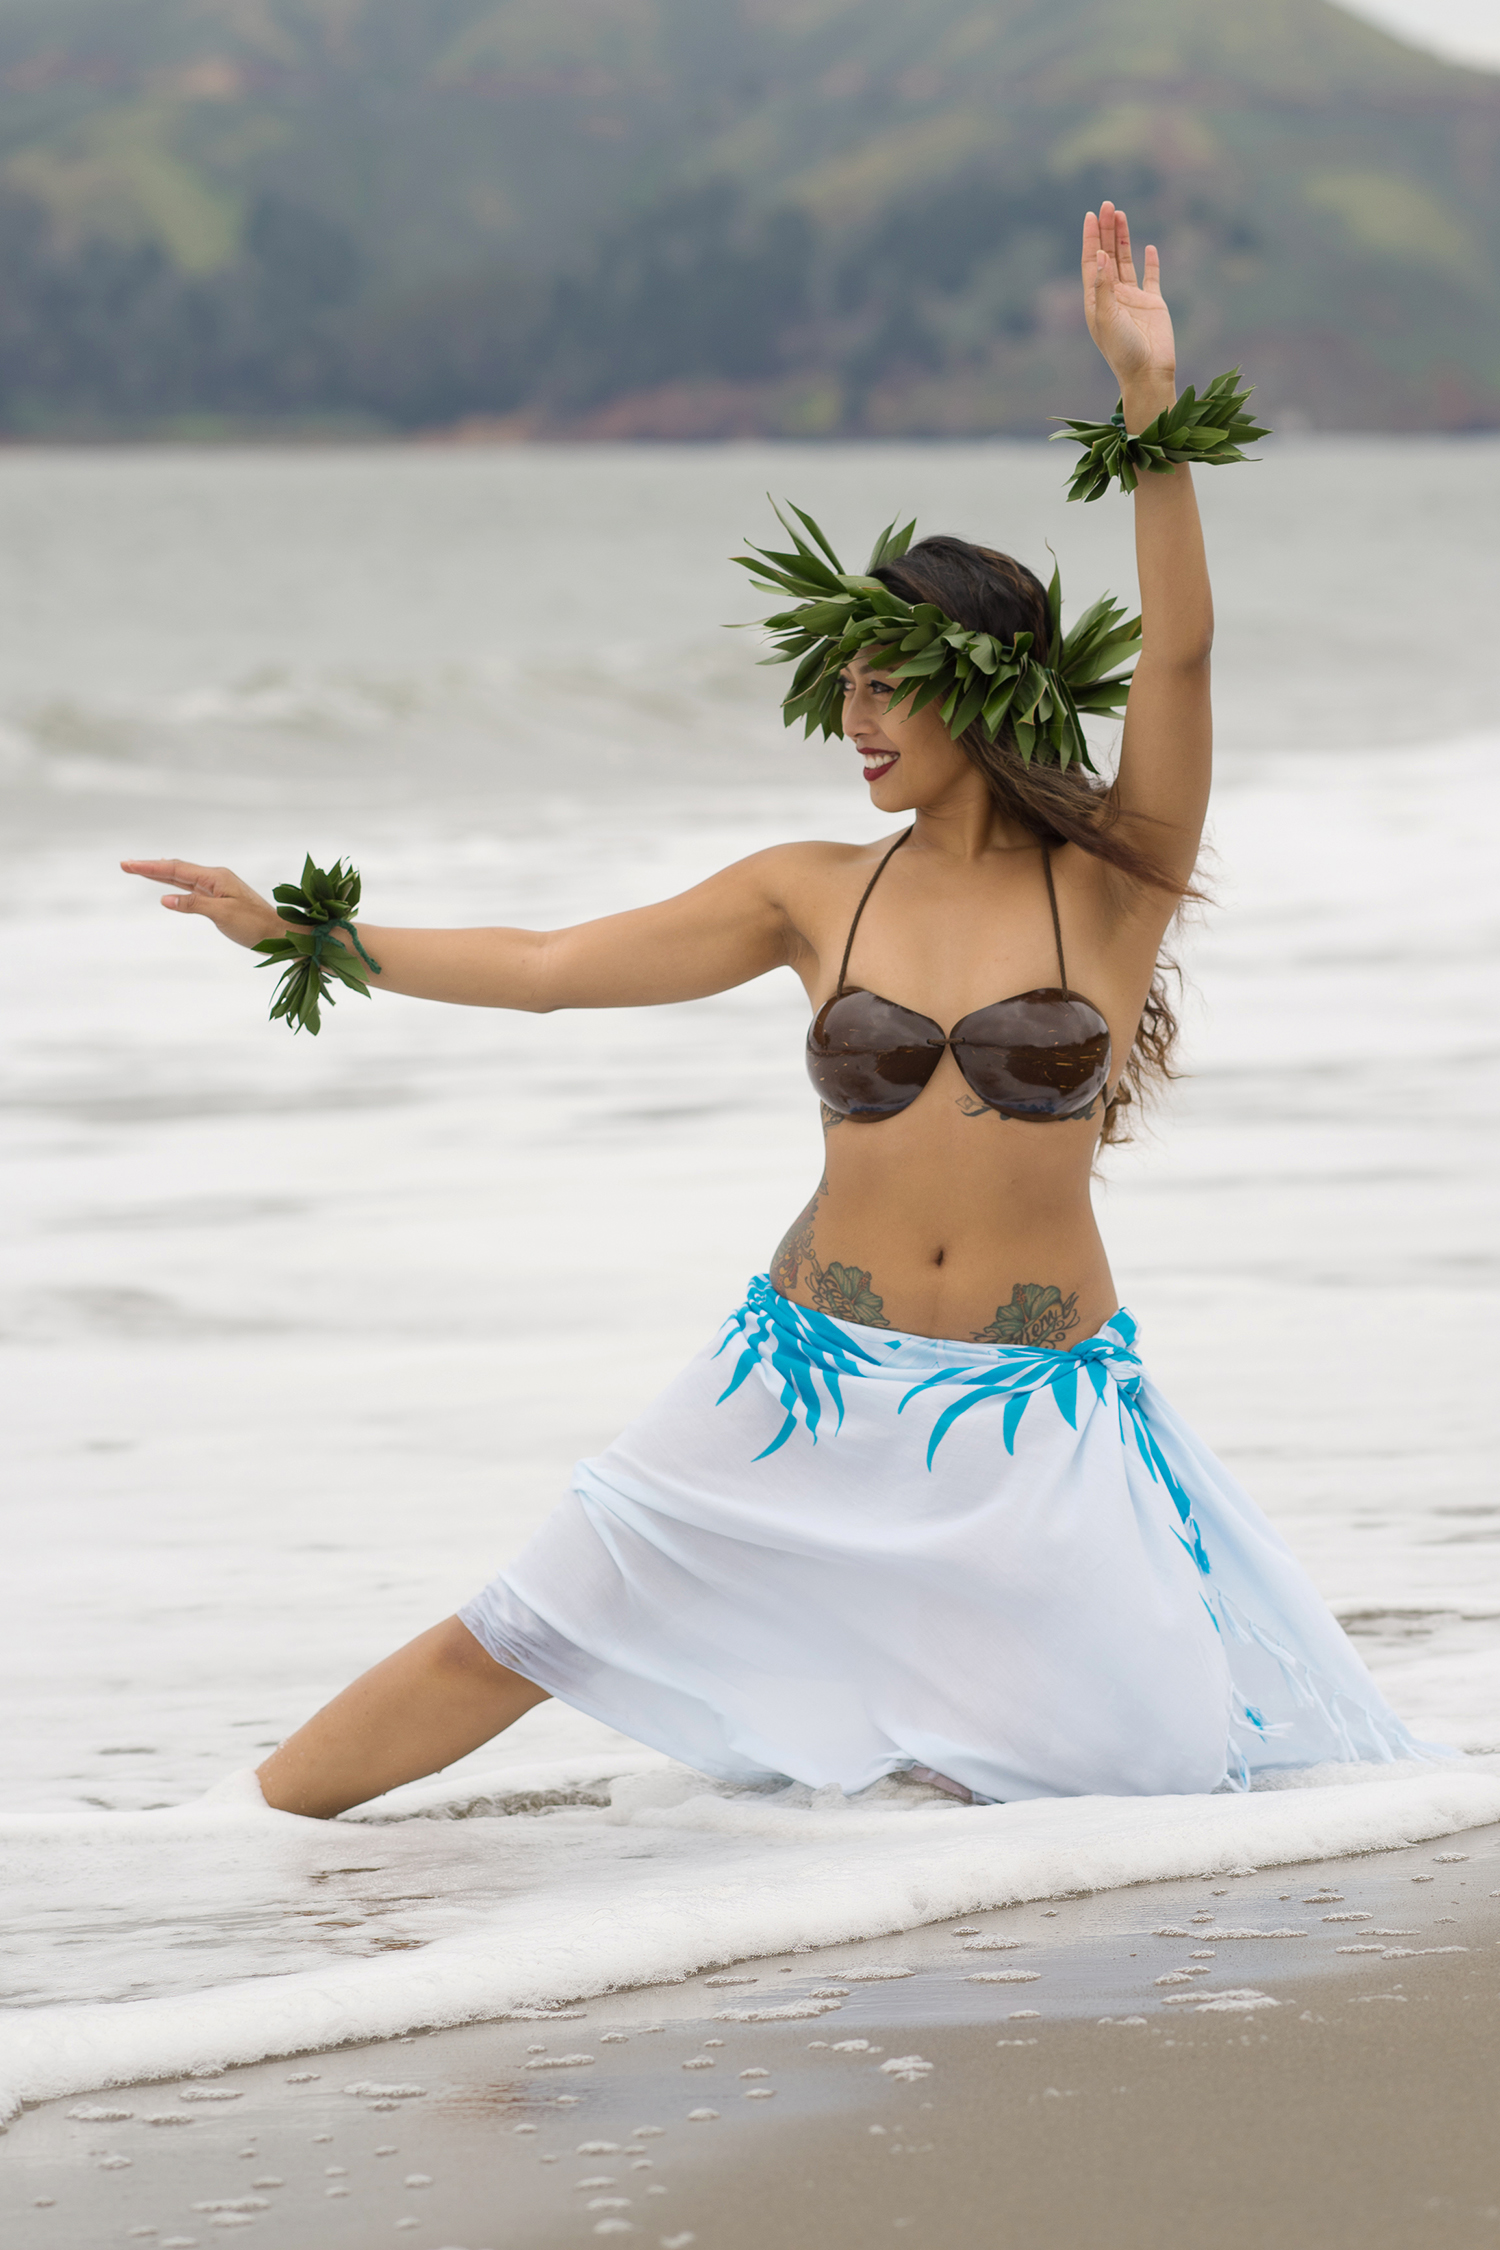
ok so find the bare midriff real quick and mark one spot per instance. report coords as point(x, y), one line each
point(950, 1220)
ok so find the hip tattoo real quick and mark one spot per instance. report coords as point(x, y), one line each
point(1038, 1315)
point(843, 1292)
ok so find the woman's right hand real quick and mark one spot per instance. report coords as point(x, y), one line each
point(239, 913)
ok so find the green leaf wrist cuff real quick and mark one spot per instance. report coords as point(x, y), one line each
point(1206, 431)
point(324, 902)
point(974, 679)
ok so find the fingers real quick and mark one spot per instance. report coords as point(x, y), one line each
point(1090, 266)
point(1098, 264)
point(1108, 236)
point(213, 891)
point(1098, 267)
point(181, 871)
point(207, 882)
point(1124, 262)
point(197, 902)
point(1152, 271)
point(1102, 302)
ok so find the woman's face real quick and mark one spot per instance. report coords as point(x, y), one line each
point(909, 762)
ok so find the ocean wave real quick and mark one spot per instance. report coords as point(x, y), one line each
point(226, 1932)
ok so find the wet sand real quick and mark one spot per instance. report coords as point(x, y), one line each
point(1120, 2069)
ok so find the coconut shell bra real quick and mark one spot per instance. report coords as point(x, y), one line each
point(1039, 1057)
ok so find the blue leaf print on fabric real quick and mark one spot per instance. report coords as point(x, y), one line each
point(1017, 1372)
point(811, 1353)
point(803, 1346)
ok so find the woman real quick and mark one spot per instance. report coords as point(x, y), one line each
point(917, 1510)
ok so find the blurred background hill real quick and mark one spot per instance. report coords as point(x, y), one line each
point(700, 218)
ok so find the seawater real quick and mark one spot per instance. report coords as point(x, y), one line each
point(301, 1339)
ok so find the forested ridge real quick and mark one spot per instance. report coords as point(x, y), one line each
point(711, 217)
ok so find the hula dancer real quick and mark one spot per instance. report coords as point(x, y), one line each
point(917, 1508)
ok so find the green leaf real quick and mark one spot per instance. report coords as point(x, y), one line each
point(926, 691)
point(809, 525)
point(971, 706)
point(828, 616)
point(808, 670)
point(1054, 608)
point(891, 545)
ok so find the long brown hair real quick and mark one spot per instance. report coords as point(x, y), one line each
point(993, 593)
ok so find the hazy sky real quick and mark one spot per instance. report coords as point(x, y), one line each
point(1464, 30)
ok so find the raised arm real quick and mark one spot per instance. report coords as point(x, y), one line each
point(723, 932)
point(1167, 750)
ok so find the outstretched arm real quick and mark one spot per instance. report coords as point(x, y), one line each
point(1166, 753)
point(723, 932)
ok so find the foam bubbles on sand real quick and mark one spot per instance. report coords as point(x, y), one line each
point(795, 2011)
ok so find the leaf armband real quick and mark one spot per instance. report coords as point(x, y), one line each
point(1206, 431)
point(325, 901)
point(975, 679)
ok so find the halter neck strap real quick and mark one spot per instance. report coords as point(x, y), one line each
point(904, 837)
point(1062, 966)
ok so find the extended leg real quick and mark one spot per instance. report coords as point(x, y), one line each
point(417, 1711)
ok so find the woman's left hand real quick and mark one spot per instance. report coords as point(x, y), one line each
point(1128, 319)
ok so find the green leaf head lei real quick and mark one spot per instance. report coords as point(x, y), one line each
point(973, 677)
point(325, 901)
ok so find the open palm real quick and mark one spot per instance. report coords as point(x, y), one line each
point(1128, 318)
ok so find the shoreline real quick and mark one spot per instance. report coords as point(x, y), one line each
point(731, 1877)
point(1303, 2054)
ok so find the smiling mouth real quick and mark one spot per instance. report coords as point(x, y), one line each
point(878, 762)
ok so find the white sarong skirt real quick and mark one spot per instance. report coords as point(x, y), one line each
point(829, 1553)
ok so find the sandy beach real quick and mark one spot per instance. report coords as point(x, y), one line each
point(1301, 2055)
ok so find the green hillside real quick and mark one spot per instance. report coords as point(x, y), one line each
point(705, 217)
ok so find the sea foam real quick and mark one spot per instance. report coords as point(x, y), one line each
point(732, 1874)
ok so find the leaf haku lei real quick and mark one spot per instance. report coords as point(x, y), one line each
point(1207, 432)
point(975, 679)
point(326, 900)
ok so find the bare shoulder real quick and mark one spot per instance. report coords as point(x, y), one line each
point(811, 881)
point(798, 867)
point(813, 888)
